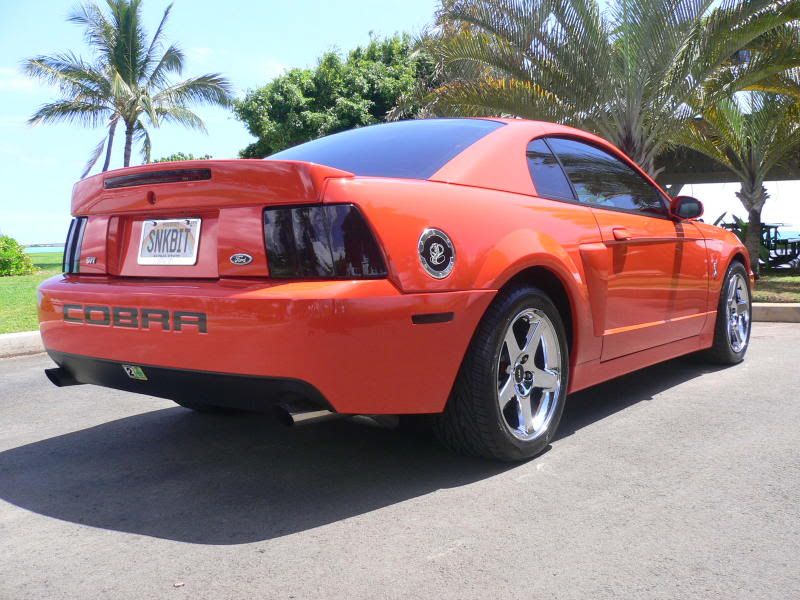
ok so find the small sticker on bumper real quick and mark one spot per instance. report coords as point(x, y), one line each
point(135, 372)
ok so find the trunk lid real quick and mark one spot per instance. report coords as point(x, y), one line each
point(221, 202)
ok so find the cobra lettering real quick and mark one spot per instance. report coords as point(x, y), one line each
point(135, 318)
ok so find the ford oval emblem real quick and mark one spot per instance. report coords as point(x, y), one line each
point(241, 259)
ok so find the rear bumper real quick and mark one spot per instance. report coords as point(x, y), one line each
point(199, 387)
point(357, 346)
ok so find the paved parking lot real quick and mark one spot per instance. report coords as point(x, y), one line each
point(680, 481)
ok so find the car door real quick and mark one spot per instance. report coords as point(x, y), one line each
point(653, 267)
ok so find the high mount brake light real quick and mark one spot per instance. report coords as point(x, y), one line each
point(331, 241)
point(157, 177)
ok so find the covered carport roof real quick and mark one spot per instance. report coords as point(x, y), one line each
point(682, 167)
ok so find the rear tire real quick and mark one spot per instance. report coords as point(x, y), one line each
point(509, 395)
point(734, 310)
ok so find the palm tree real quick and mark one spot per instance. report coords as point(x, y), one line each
point(127, 83)
point(750, 137)
point(629, 74)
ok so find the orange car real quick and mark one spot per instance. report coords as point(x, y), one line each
point(473, 269)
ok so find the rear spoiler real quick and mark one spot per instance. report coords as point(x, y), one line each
point(202, 184)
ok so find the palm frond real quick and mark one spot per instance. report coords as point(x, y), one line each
point(171, 62)
point(181, 116)
point(69, 73)
point(68, 111)
point(94, 156)
point(156, 42)
point(211, 88)
point(634, 73)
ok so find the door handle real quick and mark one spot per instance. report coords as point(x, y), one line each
point(620, 233)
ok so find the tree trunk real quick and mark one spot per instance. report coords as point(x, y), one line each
point(110, 143)
point(128, 143)
point(753, 195)
point(753, 241)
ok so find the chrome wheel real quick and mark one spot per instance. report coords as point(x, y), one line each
point(529, 374)
point(738, 305)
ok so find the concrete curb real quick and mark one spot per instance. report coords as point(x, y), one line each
point(19, 344)
point(30, 342)
point(776, 312)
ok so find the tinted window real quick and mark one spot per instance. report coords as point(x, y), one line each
point(599, 178)
point(407, 149)
point(548, 178)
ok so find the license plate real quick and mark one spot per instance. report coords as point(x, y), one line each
point(169, 242)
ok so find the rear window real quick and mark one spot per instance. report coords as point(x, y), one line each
point(405, 149)
point(548, 178)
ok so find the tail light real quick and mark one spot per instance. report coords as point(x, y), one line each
point(72, 249)
point(330, 241)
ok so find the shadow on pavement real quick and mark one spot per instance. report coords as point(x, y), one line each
point(195, 478)
point(208, 479)
point(596, 403)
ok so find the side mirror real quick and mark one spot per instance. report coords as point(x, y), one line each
point(686, 207)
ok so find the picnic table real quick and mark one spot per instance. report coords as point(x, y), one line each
point(782, 251)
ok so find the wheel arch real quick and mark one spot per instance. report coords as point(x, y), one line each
point(549, 281)
point(739, 256)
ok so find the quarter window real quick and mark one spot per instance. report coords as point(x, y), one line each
point(548, 178)
point(603, 180)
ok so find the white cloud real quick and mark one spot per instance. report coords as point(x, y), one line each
point(12, 80)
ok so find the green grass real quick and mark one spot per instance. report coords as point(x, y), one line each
point(18, 294)
point(777, 288)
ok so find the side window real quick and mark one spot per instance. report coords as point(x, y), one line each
point(548, 178)
point(601, 179)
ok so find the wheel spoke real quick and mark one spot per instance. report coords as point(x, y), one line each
point(734, 331)
point(732, 293)
point(506, 393)
point(533, 337)
point(511, 344)
point(525, 414)
point(546, 379)
point(741, 307)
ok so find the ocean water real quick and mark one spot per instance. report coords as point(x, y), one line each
point(37, 249)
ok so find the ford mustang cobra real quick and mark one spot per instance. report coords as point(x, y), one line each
point(473, 270)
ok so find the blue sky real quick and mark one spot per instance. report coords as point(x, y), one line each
point(249, 41)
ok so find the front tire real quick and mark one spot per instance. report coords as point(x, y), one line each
point(509, 395)
point(732, 329)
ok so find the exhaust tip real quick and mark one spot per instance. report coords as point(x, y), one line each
point(291, 417)
point(60, 377)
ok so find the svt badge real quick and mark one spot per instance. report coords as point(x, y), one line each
point(436, 253)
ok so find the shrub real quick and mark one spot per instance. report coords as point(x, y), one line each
point(13, 260)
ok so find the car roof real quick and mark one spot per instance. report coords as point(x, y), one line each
point(499, 160)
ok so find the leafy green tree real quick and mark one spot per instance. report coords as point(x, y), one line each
point(750, 136)
point(128, 81)
point(338, 94)
point(628, 73)
point(13, 260)
point(178, 156)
